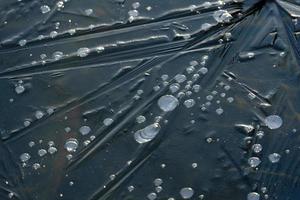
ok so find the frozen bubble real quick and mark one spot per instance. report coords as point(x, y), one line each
point(39, 114)
point(108, 121)
point(42, 152)
point(190, 69)
point(136, 5)
point(84, 130)
point(257, 148)
point(31, 143)
point(254, 161)
point(88, 11)
point(219, 111)
point(274, 157)
point(52, 150)
point(45, 9)
point(22, 42)
point(158, 189)
point(57, 55)
point(194, 165)
point(27, 123)
point(174, 87)
point(180, 78)
point(147, 134)
point(186, 193)
point(133, 13)
point(25, 157)
point(167, 103)
point(140, 119)
point(19, 89)
point(273, 121)
point(36, 166)
point(83, 52)
point(230, 99)
point(203, 70)
point(71, 145)
point(189, 103)
point(222, 16)
point(130, 188)
point(158, 181)
point(99, 49)
point(152, 196)
point(253, 196)
point(53, 34)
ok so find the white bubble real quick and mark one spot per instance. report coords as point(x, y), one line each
point(140, 119)
point(174, 87)
point(19, 89)
point(158, 181)
point(257, 148)
point(39, 114)
point(83, 52)
point(88, 11)
point(273, 121)
point(186, 193)
point(254, 161)
point(52, 150)
point(222, 16)
point(22, 42)
point(25, 157)
point(42, 152)
point(108, 121)
point(180, 78)
point(147, 134)
point(253, 196)
point(71, 145)
point(57, 55)
point(36, 166)
point(167, 103)
point(45, 9)
point(84, 130)
point(189, 103)
point(152, 196)
point(274, 157)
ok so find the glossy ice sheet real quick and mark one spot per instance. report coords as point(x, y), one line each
point(132, 100)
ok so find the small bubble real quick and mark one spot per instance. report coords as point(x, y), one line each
point(254, 161)
point(167, 103)
point(273, 121)
point(108, 121)
point(152, 196)
point(84, 130)
point(158, 181)
point(147, 134)
point(88, 11)
point(274, 157)
point(71, 145)
point(83, 52)
point(39, 114)
point(52, 150)
point(186, 193)
point(222, 16)
point(45, 9)
point(36, 166)
point(140, 119)
point(253, 196)
point(189, 103)
point(22, 42)
point(19, 89)
point(42, 152)
point(130, 188)
point(25, 157)
point(257, 148)
point(180, 78)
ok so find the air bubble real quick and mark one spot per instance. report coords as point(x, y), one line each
point(71, 145)
point(254, 161)
point(186, 193)
point(167, 103)
point(45, 9)
point(84, 130)
point(274, 157)
point(273, 121)
point(147, 134)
